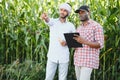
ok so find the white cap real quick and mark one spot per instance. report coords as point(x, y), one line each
point(66, 6)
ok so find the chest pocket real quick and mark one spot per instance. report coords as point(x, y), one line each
point(90, 34)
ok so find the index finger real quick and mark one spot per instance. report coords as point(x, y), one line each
point(75, 35)
point(45, 14)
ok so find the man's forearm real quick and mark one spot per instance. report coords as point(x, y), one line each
point(93, 44)
point(47, 20)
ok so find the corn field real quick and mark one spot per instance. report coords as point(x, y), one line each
point(24, 38)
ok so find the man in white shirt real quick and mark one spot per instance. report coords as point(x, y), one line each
point(58, 54)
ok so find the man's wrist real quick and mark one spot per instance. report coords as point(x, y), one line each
point(47, 20)
point(87, 43)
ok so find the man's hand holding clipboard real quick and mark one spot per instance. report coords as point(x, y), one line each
point(71, 39)
point(79, 39)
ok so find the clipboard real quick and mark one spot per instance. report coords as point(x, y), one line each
point(70, 41)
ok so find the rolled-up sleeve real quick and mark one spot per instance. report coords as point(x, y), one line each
point(99, 36)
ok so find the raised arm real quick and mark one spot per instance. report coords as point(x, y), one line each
point(45, 17)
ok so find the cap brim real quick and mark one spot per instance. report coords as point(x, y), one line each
point(77, 11)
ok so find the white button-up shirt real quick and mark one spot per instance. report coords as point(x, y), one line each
point(57, 52)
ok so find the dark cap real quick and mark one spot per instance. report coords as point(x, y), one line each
point(84, 7)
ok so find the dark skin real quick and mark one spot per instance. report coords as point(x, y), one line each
point(84, 17)
point(63, 14)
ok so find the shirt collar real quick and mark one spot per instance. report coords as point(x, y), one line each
point(61, 22)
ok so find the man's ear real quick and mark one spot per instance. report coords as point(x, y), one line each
point(89, 13)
